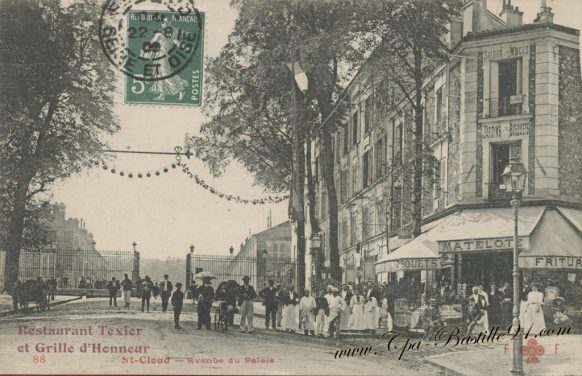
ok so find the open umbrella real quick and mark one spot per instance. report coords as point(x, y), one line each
point(204, 275)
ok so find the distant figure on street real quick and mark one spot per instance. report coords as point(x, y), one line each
point(166, 290)
point(269, 296)
point(113, 286)
point(138, 283)
point(290, 319)
point(82, 282)
point(307, 307)
point(194, 290)
point(127, 286)
point(177, 303)
point(146, 293)
point(247, 295)
point(205, 298)
point(279, 305)
point(65, 282)
point(16, 289)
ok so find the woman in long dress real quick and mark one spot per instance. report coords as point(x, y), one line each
point(370, 313)
point(534, 316)
point(307, 313)
point(290, 318)
point(357, 312)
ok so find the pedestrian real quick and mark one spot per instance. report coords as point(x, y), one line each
point(357, 314)
point(127, 286)
point(307, 308)
point(494, 306)
point(166, 287)
point(279, 305)
point(146, 288)
point(290, 301)
point(16, 291)
point(194, 290)
point(269, 296)
point(65, 282)
point(177, 303)
point(370, 312)
point(346, 295)
point(247, 295)
point(506, 305)
point(477, 320)
point(432, 319)
point(534, 316)
point(336, 306)
point(205, 299)
point(228, 297)
point(322, 309)
point(138, 283)
point(113, 286)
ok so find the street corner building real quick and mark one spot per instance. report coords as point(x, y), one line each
point(509, 93)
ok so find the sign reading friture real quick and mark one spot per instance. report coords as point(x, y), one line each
point(487, 244)
point(550, 262)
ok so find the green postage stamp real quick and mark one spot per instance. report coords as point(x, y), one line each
point(168, 55)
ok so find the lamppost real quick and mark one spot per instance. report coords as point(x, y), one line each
point(189, 276)
point(264, 256)
point(514, 177)
point(315, 249)
point(134, 245)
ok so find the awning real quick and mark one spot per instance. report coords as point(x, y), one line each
point(418, 254)
point(556, 243)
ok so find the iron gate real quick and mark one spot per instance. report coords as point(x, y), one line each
point(259, 269)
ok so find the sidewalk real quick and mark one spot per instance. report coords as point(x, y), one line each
point(6, 302)
point(559, 356)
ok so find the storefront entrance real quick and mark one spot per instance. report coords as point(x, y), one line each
point(485, 268)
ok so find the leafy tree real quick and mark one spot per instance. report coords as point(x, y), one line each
point(56, 99)
point(408, 41)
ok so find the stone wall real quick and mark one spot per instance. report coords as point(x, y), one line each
point(570, 125)
point(454, 111)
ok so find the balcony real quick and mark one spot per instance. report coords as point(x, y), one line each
point(506, 106)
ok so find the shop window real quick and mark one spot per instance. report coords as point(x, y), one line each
point(501, 155)
point(506, 88)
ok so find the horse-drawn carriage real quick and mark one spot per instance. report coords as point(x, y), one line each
point(35, 291)
point(226, 294)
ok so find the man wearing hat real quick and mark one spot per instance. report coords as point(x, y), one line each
point(247, 295)
point(166, 290)
point(431, 319)
point(205, 297)
point(269, 296)
point(177, 303)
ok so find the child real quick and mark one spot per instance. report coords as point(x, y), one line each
point(177, 302)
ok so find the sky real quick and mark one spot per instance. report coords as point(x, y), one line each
point(165, 215)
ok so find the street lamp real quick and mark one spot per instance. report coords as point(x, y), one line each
point(315, 247)
point(134, 245)
point(191, 248)
point(514, 177)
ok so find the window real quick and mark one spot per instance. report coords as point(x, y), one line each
point(355, 130)
point(352, 232)
point(344, 234)
point(506, 87)
point(367, 224)
point(501, 155)
point(397, 148)
point(366, 169)
point(323, 203)
point(368, 114)
point(439, 102)
point(344, 186)
point(396, 207)
point(345, 138)
point(354, 178)
point(443, 174)
point(380, 160)
point(316, 171)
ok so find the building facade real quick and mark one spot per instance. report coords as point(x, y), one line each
point(508, 93)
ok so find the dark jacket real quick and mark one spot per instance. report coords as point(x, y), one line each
point(178, 299)
point(228, 296)
point(113, 286)
point(269, 296)
point(348, 297)
point(246, 292)
point(205, 294)
point(286, 298)
point(145, 289)
point(170, 287)
point(127, 284)
point(321, 303)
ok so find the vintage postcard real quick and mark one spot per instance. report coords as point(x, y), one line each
point(290, 187)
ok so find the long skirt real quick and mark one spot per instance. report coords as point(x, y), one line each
point(371, 316)
point(534, 319)
point(307, 320)
point(357, 317)
point(345, 319)
point(290, 318)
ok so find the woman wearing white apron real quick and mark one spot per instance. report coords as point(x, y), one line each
point(534, 316)
point(357, 312)
point(290, 318)
point(370, 313)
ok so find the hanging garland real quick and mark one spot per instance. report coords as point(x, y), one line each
point(238, 199)
point(139, 175)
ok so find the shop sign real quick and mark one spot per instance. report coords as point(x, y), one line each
point(504, 52)
point(550, 262)
point(418, 264)
point(476, 245)
point(505, 130)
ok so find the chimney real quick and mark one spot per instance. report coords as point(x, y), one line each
point(472, 14)
point(511, 15)
point(545, 15)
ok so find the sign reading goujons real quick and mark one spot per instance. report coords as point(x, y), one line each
point(550, 262)
point(475, 245)
point(505, 52)
point(505, 130)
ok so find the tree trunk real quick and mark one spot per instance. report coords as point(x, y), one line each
point(15, 230)
point(311, 190)
point(300, 184)
point(418, 146)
